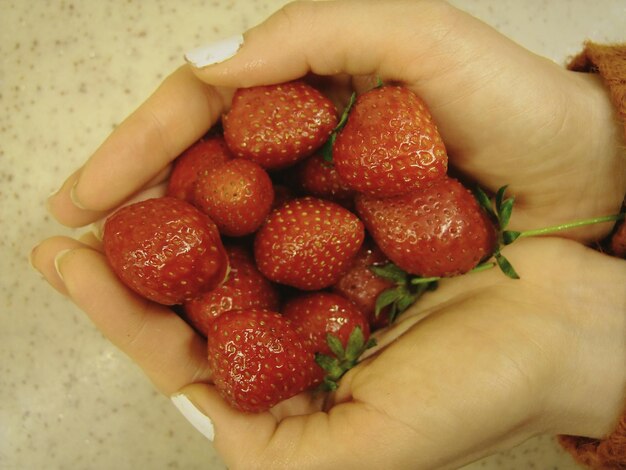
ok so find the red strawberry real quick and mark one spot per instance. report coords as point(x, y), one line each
point(245, 288)
point(318, 314)
point(390, 144)
point(319, 178)
point(277, 125)
point(237, 194)
point(618, 241)
point(198, 158)
point(165, 250)
point(361, 286)
point(258, 359)
point(439, 230)
point(282, 194)
point(308, 243)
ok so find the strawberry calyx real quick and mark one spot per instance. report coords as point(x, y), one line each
point(327, 148)
point(343, 359)
point(501, 209)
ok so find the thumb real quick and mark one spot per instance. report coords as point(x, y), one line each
point(329, 38)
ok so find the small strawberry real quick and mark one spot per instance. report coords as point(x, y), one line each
point(437, 231)
point(318, 314)
point(390, 144)
point(237, 194)
point(277, 125)
point(307, 243)
point(319, 178)
point(618, 241)
point(201, 156)
point(258, 359)
point(361, 286)
point(245, 288)
point(165, 250)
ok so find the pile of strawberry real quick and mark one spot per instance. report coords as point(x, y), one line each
point(258, 219)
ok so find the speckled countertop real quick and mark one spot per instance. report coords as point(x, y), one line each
point(70, 71)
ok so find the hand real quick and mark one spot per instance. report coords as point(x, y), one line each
point(506, 115)
point(478, 365)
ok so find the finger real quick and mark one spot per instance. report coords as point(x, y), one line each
point(180, 111)
point(313, 38)
point(304, 441)
point(160, 342)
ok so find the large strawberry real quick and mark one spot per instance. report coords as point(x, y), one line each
point(437, 231)
point(277, 125)
point(258, 359)
point(245, 288)
point(201, 156)
point(307, 243)
point(165, 249)
point(390, 144)
point(237, 194)
point(318, 314)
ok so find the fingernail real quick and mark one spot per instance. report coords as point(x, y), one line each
point(198, 420)
point(97, 228)
point(74, 197)
point(31, 255)
point(57, 261)
point(214, 53)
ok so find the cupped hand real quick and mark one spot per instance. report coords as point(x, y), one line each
point(477, 366)
point(507, 116)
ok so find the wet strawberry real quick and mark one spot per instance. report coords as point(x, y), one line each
point(439, 230)
point(390, 144)
point(277, 125)
point(203, 155)
point(258, 359)
point(245, 288)
point(165, 250)
point(308, 243)
point(237, 194)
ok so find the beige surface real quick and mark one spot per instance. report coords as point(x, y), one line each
point(70, 72)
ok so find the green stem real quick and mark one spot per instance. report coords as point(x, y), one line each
point(477, 269)
point(570, 225)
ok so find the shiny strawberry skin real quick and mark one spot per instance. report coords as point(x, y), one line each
point(390, 144)
point(320, 313)
point(258, 359)
point(307, 243)
point(165, 250)
point(362, 287)
point(319, 178)
point(277, 125)
point(201, 156)
point(244, 288)
point(237, 194)
point(439, 230)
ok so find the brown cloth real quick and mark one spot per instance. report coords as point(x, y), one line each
point(609, 61)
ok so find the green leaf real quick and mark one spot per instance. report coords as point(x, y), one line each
point(356, 341)
point(327, 148)
point(509, 236)
point(389, 271)
point(329, 385)
point(484, 201)
point(500, 197)
point(405, 302)
point(335, 346)
point(370, 344)
point(423, 280)
point(379, 82)
point(504, 213)
point(344, 116)
point(506, 266)
point(385, 298)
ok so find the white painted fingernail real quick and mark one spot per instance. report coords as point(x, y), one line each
point(214, 53)
point(57, 260)
point(198, 420)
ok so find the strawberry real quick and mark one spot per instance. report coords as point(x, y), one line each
point(237, 194)
point(390, 144)
point(258, 359)
point(361, 286)
point(307, 243)
point(277, 125)
point(165, 250)
point(318, 314)
point(438, 231)
point(319, 178)
point(198, 158)
point(618, 241)
point(245, 288)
